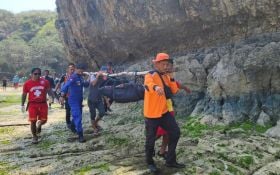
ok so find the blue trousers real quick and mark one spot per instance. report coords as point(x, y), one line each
point(76, 111)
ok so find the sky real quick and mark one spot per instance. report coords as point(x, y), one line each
point(17, 6)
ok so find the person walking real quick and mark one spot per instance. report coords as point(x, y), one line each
point(158, 88)
point(95, 101)
point(15, 81)
point(106, 100)
point(74, 85)
point(4, 84)
point(37, 89)
point(52, 85)
point(71, 69)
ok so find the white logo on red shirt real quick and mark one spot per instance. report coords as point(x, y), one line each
point(37, 93)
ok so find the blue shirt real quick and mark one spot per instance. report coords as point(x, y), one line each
point(74, 85)
point(15, 79)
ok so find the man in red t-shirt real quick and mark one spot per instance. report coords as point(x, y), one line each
point(37, 89)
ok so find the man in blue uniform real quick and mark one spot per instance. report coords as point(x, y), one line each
point(74, 86)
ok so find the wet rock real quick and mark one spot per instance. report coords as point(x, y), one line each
point(274, 131)
point(263, 119)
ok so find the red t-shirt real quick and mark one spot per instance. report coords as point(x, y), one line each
point(37, 90)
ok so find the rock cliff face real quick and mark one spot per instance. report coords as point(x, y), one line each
point(130, 30)
point(228, 52)
point(231, 83)
point(235, 82)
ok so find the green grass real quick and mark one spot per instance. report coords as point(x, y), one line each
point(13, 112)
point(83, 170)
point(217, 164)
point(6, 100)
point(59, 133)
point(234, 170)
point(45, 144)
point(7, 130)
point(221, 145)
point(102, 166)
point(245, 161)
point(249, 126)
point(5, 168)
point(215, 173)
point(5, 142)
point(262, 129)
point(193, 128)
point(191, 170)
point(116, 141)
point(180, 152)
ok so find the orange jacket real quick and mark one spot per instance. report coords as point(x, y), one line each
point(155, 105)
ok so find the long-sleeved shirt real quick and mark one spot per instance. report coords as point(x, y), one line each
point(155, 105)
point(94, 94)
point(51, 81)
point(74, 85)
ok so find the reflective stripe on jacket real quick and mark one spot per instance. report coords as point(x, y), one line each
point(155, 105)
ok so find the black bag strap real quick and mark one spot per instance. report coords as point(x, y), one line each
point(162, 79)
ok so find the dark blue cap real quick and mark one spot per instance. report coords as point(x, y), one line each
point(81, 66)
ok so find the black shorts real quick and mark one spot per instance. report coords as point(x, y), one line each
point(96, 105)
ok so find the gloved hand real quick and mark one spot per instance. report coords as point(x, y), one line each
point(23, 109)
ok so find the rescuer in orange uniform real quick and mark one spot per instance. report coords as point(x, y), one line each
point(159, 87)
